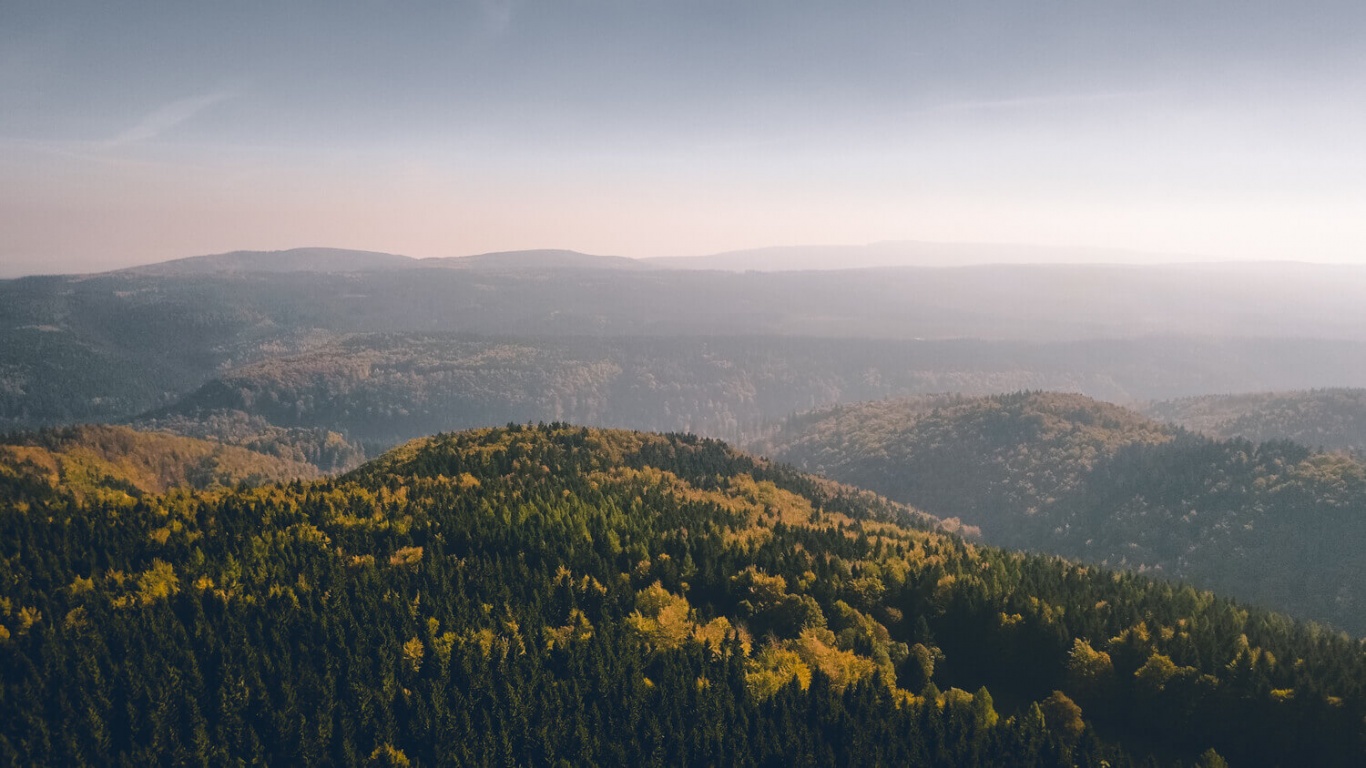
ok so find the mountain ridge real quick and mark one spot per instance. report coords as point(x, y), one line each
point(1272, 522)
point(344, 260)
point(1331, 419)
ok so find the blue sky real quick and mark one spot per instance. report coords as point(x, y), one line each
point(134, 132)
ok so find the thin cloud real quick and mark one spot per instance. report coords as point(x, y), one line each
point(168, 116)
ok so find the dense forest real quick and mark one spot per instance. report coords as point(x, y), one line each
point(559, 595)
point(1329, 419)
point(1273, 523)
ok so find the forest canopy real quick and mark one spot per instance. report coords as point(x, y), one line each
point(560, 594)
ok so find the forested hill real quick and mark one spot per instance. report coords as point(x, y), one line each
point(1332, 419)
point(557, 595)
point(1273, 523)
point(98, 460)
point(111, 346)
point(382, 389)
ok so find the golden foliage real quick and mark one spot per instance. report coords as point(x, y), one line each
point(1085, 663)
point(714, 633)
point(662, 618)
point(413, 651)
point(774, 667)
point(28, 617)
point(817, 648)
point(81, 585)
point(106, 462)
point(406, 556)
point(1062, 716)
point(576, 629)
point(157, 583)
point(388, 756)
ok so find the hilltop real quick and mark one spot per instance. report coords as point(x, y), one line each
point(292, 260)
point(560, 594)
point(1331, 419)
point(1273, 523)
point(341, 260)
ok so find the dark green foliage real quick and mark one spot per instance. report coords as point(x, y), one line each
point(480, 599)
point(1273, 523)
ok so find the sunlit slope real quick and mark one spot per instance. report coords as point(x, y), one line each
point(96, 460)
point(325, 449)
point(1272, 523)
point(565, 595)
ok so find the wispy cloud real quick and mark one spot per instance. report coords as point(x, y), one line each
point(168, 116)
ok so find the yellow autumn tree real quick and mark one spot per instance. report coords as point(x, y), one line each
point(157, 583)
point(662, 618)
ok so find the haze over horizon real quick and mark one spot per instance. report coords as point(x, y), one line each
point(143, 133)
point(798, 258)
point(827, 257)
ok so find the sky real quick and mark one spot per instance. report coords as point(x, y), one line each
point(136, 132)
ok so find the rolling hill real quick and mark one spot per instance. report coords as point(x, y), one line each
point(904, 253)
point(384, 389)
point(292, 260)
point(560, 595)
point(1331, 419)
point(1273, 523)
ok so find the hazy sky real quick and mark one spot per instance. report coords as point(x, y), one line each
point(134, 132)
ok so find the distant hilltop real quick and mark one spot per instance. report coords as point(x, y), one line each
point(345, 260)
point(799, 258)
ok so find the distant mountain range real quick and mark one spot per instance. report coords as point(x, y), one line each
point(340, 260)
point(614, 295)
point(908, 254)
point(800, 258)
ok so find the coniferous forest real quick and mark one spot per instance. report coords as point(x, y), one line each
point(1275, 523)
point(555, 595)
point(780, 384)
